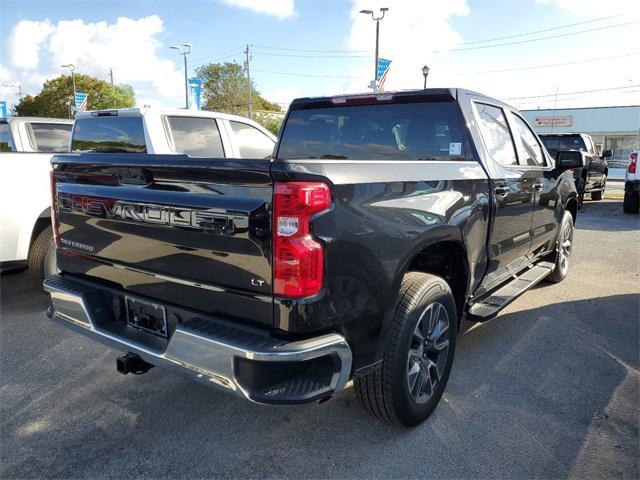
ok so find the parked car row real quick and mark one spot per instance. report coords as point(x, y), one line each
point(28, 144)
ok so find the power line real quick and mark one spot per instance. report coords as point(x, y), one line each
point(559, 27)
point(575, 93)
point(309, 75)
point(312, 56)
point(309, 51)
point(223, 52)
point(530, 40)
point(550, 65)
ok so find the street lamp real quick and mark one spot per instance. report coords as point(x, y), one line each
point(425, 74)
point(71, 68)
point(383, 10)
point(184, 50)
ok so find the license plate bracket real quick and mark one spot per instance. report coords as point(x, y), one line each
point(147, 316)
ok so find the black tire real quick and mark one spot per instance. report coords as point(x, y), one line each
point(42, 261)
point(580, 188)
point(597, 195)
point(392, 392)
point(631, 202)
point(563, 250)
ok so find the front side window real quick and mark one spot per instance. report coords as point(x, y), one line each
point(250, 141)
point(196, 137)
point(531, 152)
point(496, 134)
point(109, 134)
point(427, 130)
point(6, 145)
point(51, 137)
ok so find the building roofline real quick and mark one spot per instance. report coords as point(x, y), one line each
point(577, 108)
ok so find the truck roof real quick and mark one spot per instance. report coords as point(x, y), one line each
point(38, 120)
point(142, 111)
point(452, 93)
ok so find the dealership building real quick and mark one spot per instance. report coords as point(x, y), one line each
point(612, 128)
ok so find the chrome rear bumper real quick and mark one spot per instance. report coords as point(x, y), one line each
point(210, 352)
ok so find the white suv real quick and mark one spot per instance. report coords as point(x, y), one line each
point(632, 185)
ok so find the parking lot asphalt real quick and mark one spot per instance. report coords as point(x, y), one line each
point(549, 389)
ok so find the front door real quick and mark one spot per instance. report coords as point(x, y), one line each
point(513, 195)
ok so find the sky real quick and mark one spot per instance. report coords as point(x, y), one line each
point(529, 53)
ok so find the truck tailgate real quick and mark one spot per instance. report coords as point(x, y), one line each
point(194, 232)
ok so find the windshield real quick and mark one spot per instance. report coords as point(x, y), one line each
point(563, 142)
point(403, 131)
point(109, 134)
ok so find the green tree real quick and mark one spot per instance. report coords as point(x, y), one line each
point(225, 88)
point(52, 99)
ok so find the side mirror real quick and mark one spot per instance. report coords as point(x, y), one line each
point(607, 154)
point(568, 159)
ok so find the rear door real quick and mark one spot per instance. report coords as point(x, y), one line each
point(510, 236)
point(192, 232)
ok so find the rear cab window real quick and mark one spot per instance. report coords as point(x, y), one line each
point(554, 143)
point(109, 133)
point(251, 142)
point(426, 130)
point(6, 144)
point(50, 137)
point(195, 136)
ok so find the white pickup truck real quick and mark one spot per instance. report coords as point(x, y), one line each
point(25, 233)
point(26, 147)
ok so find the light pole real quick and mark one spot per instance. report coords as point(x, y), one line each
point(383, 10)
point(184, 50)
point(425, 74)
point(71, 68)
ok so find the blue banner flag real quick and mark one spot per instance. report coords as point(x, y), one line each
point(3, 109)
point(383, 66)
point(194, 93)
point(81, 101)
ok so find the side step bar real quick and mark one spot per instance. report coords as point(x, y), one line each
point(488, 307)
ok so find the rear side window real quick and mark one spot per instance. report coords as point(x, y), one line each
point(6, 145)
point(50, 137)
point(196, 137)
point(109, 134)
point(496, 134)
point(531, 153)
point(398, 131)
point(250, 141)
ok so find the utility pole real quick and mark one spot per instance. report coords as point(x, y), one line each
point(184, 50)
point(383, 10)
point(111, 75)
point(248, 69)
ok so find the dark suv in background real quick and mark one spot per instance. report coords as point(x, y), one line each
point(592, 178)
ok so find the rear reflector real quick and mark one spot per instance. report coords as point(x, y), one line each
point(633, 164)
point(297, 257)
point(54, 208)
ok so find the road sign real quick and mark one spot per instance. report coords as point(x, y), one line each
point(3, 109)
point(194, 93)
point(81, 101)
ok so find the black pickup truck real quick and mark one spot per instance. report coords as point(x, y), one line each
point(381, 221)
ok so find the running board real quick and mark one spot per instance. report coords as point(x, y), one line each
point(488, 307)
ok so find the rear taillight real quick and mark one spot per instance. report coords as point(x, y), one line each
point(297, 256)
point(633, 164)
point(54, 208)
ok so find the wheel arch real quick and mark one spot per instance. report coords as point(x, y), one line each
point(42, 222)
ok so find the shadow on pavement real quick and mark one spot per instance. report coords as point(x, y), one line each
point(606, 216)
point(523, 394)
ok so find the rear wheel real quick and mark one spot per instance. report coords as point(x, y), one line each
point(563, 249)
point(418, 357)
point(42, 256)
point(631, 203)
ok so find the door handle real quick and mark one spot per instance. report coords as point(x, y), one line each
point(501, 190)
point(538, 186)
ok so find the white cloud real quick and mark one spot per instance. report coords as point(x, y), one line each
point(130, 47)
point(277, 8)
point(409, 34)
